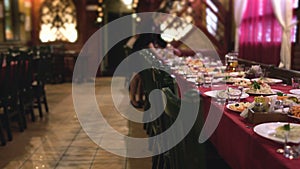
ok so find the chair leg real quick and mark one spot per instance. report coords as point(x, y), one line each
point(22, 117)
point(155, 162)
point(32, 114)
point(39, 105)
point(7, 127)
point(45, 103)
point(21, 121)
point(2, 138)
point(161, 161)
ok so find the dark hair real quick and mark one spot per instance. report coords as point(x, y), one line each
point(145, 39)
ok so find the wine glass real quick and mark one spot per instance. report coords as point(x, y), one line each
point(219, 84)
point(289, 151)
point(233, 95)
point(241, 88)
point(279, 105)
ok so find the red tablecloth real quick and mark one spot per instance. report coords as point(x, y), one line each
point(235, 139)
point(240, 147)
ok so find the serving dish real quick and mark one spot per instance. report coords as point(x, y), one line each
point(216, 94)
point(295, 91)
point(267, 80)
point(270, 131)
point(238, 107)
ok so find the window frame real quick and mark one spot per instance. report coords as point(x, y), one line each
point(14, 19)
point(296, 12)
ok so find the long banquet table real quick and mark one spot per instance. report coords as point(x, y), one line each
point(240, 147)
point(235, 139)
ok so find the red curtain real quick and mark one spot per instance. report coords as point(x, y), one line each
point(260, 37)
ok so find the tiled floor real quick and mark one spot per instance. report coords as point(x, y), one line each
point(58, 141)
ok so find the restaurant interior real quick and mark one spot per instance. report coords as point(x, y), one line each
point(161, 84)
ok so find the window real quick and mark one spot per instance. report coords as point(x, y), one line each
point(211, 18)
point(295, 30)
point(260, 33)
point(11, 20)
point(260, 20)
point(260, 24)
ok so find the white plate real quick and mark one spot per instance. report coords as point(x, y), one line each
point(214, 93)
point(268, 80)
point(264, 94)
point(231, 74)
point(295, 91)
point(267, 130)
point(294, 117)
point(287, 102)
point(236, 79)
point(228, 107)
point(191, 79)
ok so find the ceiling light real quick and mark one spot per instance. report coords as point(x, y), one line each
point(127, 2)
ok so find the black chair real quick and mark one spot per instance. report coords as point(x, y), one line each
point(9, 95)
point(42, 59)
point(25, 68)
point(2, 137)
point(154, 127)
point(184, 153)
point(155, 78)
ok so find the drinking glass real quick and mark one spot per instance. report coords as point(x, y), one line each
point(279, 105)
point(233, 95)
point(219, 84)
point(295, 82)
point(289, 152)
point(241, 88)
point(207, 79)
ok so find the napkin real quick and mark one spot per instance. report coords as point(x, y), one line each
point(273, 100)
point(244, 113)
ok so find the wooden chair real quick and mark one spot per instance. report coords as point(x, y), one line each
point(148, 85)
point(25, 80)
point(9, 96)
point(154, 127)
point(42, 61)
point(184, 153)
point(2, 137)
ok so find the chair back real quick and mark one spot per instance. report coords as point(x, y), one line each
point(2, 72)
point(25, 70)
point(9, 85)
point(43, 64)
point(182, 155)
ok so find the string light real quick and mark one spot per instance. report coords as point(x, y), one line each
point(134, 7)
point(100, 14)
point(127, 2)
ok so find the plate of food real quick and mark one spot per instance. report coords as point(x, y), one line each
point(257, 88)
point(230, 79)
point(238, 107)
point(242, 82)
point(230, 74)
point(295, 91)
point(222, 94)
point(262, 92)
point(276, 131)
point(267, 80)
point(288, 99)
point(294, 112)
